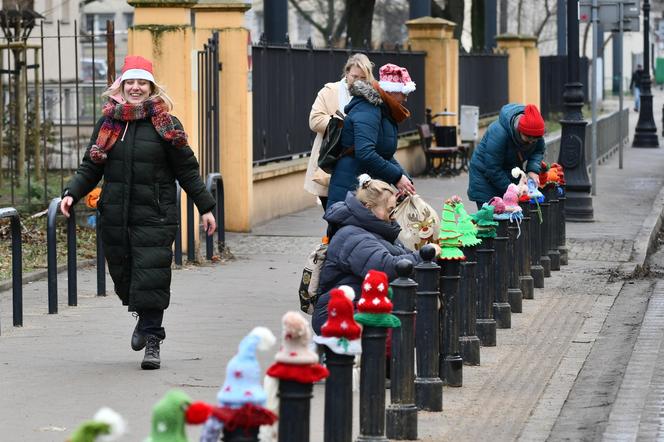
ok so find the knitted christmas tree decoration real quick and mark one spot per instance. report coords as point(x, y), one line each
point(106, 423)
point(449, 238)
point(375, 306)
point(466, 227)
point(295, 362)
point(486, 226)
point(341, 333)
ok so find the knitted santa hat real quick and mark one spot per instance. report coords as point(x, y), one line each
point(295, 362)
point(172, 412)
point(243, 374)
point(375, 306)
point(531, 122)
point(341, 333)
point(394, 78)
point(106, 425)
point(137, 68)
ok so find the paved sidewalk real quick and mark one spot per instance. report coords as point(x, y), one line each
point(58, 369)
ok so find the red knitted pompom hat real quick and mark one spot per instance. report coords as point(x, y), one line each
point(340, 322)
point(531, 122)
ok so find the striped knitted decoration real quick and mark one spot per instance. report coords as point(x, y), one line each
point(117, 116)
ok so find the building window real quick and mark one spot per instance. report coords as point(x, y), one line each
point(96, 23)
point(129, 19)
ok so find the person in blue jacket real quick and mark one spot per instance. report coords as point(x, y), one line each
point(369, 135)
point(509, 142)
point(366, 239)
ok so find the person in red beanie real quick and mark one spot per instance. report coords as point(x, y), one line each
point(140, 150)
point(514, 140)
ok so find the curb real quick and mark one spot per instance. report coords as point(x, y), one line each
point(41, 274)
point(644, 241)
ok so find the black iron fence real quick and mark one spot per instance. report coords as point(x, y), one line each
point(286, 80)
point(553, 76)
point(483, 82)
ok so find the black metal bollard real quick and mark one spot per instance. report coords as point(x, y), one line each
point(552, 195)
point(17, 264)
point(372, 387)
point(101, 261)
point(514, 294)
point(502, 311)
point(451, 363)
point(536, 269)
point(428, 385)
point(295, 409)
point(401, 414)
point(338, 424)
point(486, 325)
point(562, 231)
point(241, 435)
point(545, 261)
point(526, 282)
point(469, 343)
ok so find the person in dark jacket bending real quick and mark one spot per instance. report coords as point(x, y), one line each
point(369, 135)
point(366, 239)
point(512, 140)
point(140, 149)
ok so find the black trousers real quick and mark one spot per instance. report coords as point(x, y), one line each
point(149, 323)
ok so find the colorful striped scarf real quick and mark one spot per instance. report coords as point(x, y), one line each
point(117, 116)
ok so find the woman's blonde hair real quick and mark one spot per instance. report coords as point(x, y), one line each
point(361, 62)
point(156, 91)
point(372, 192)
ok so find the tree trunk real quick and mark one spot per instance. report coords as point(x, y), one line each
point(519, 8)
point(360, 16)
point(477, 25)
point(503, 17)
point(453, 11)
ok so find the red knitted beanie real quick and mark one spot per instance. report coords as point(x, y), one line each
point(531, 122)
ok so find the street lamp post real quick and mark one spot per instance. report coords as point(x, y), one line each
point(645, 134)
point(579, 205)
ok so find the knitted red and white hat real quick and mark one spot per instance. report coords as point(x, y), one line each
point(340, 322)
point(296, 336)
point(137, 68)
point(375, 297)
point(394, 78)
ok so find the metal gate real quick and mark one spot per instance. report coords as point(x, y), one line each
point(208, 105)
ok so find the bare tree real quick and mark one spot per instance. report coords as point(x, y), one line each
point(477, 25)
point(453, 11)
point(327, 16)
point(585, 39)
point(358, 21)
point(549, 10)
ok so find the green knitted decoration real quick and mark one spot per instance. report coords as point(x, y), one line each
point(466, 227)
point(449, 238)
point(386, 320)
point(486, 226)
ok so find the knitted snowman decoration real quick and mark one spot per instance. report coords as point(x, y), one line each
point(341, 333)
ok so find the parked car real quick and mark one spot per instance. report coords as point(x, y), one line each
point(86, 69)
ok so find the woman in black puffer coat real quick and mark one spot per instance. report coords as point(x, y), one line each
point(140, 150)
point(366, 239)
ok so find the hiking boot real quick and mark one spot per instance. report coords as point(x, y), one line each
point(137, 339)
point(151, 359)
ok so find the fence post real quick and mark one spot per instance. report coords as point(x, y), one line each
point(526, 282)
point(486, 324)
point(17, 264)
point(551, 195)
point(451, 364)
point(469, 343)
point(545, 261)
point(562, 231)
point(428, 385)
point(502, 311)
point(401, 414)
point(101, 262)
point(536, 269)
point(514, 295)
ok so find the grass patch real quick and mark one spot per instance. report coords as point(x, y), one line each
point(33, 235)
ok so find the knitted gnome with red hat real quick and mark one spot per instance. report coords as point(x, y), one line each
point(341, 333)
point(375, 307)
point(295, 361)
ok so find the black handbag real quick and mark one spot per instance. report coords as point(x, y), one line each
point(331, 149)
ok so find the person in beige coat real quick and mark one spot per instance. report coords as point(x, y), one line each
point(331, 98)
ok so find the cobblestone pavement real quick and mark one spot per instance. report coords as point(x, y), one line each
point(610, 250)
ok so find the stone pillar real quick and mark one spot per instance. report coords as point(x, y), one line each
point(441, 66)
point(235, 103)
point(522, 67)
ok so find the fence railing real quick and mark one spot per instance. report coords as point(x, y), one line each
point(17, 264)
point(553, 76)
point(483, 82)
point(286, 80)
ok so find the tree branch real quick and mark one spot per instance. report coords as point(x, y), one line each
point(549, 13)
point(585, 38)
point(307, 16)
